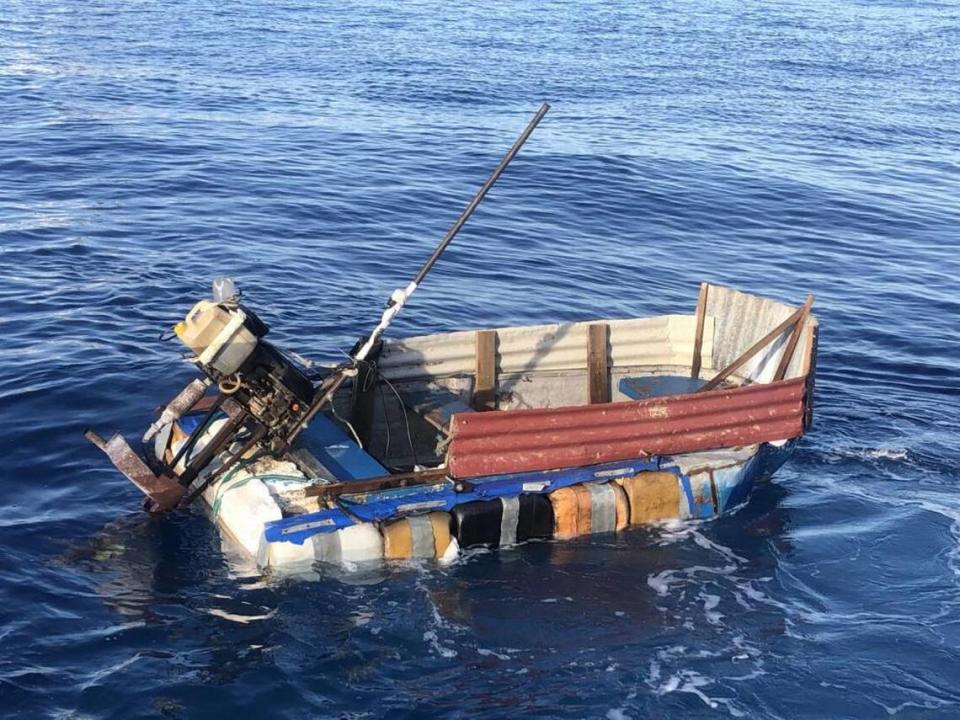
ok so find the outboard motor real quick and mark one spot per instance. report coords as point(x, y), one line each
point(261, 399)
point(227, 339)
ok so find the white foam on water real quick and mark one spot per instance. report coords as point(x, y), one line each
point(431, 638)
point(940, 502)
point(688, 681)
point(660, 582)
point(99, 675)
point(466, 555)
point(872, 453)
point(707, 544)
point(492, 653)
point(692, 682)
point(437, 621)
point(895, 710)
point(243, 619)
point(710, 602)
point(451, 554)
point(361, 617)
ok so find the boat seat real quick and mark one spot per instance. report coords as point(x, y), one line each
point(435, 404)
point(338, 453)
point(648, 386)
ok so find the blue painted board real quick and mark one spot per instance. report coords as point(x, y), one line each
point(338, 452)
point(648, 386)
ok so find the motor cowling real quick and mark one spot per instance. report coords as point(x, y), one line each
point(226, 338)
point(223, 335)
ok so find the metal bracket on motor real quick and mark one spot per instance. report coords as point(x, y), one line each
point(163, 492)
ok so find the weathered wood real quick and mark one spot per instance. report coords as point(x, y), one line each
point(698, 337)
point(485, 383)
point(399, 480)
point(753, 350)
point(794, 338)
point(434, 403)
point(809, 371)
point(598, 369)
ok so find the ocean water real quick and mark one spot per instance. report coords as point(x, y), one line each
point(317, 152)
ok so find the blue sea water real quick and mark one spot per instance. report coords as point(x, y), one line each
point(316, 152)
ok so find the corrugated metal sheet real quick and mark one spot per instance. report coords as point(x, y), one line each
point(664, 340)
point(489, 443)
point(741, 320)
point(733, 322)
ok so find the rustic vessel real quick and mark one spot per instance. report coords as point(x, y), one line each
point(415, 448)
point(496, 437)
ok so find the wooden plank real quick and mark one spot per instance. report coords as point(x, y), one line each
point(386, 482)
point(794, 338)
point(597, 365)
point(809, 371)
point(698, 338)
point(434, 403)
point(753, 350)
point(485, 383)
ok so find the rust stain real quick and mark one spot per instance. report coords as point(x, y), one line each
point(508, 441)
point(163, 492)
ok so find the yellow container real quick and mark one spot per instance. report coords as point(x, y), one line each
point(589, 508)
point(417, 536)
point(653, 496)
point(217, 336)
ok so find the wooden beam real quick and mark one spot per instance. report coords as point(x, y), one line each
point(485, 378)
point(794, 338)
point(385, 482)
point(753, 350)
point(698, 338)
point(598, 369)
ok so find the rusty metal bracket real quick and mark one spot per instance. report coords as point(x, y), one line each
point(163, 492)
point(430, 476)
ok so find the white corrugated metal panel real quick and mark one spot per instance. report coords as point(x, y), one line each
point(664, 340)
point(743, 319)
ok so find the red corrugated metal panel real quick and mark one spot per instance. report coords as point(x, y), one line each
point(490, 443)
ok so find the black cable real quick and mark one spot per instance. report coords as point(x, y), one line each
point(403, 408)
point(386, 421)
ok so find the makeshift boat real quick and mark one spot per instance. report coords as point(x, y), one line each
point(419, 447)
point(550, 431)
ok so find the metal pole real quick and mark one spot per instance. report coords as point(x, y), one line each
point(399, 297)
point(478, 198)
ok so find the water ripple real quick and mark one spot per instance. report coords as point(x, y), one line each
point(317, 152)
